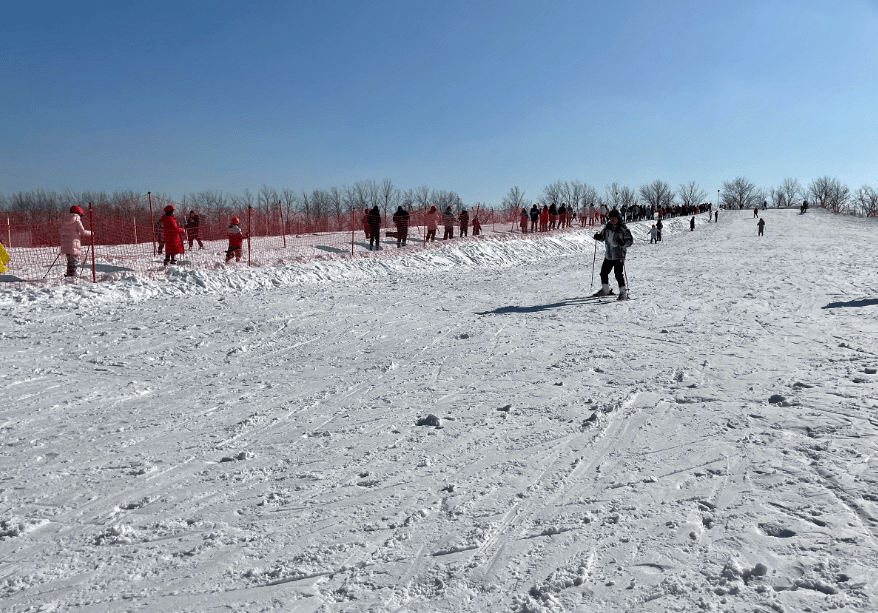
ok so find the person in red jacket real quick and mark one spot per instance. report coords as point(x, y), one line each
point(236, 242)
point(173, 236)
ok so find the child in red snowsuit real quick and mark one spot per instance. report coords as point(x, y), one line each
point(236, 242)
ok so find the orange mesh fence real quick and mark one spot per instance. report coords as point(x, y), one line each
point(129, 238)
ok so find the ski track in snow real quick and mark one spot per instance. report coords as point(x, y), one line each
point(247, 440)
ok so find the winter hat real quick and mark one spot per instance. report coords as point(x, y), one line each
point(78, 210)
point(432, 208)
point(235, 220)
point(614, 213)
point(169, 209)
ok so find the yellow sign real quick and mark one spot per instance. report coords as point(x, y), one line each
point(4, 258)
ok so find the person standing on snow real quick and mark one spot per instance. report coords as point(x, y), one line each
point(236, 242)
point(448, 220)
point(401, 221)
point(756, 212)
point(173, 236)
point(192, 224)
point(477, 225)
point(72, 233)
point(464, 223)
point(652, 234)
point(375, 228)
point(692, 224)
point(365, 222)
point(431, 216)
point(534, 218)
point(617, 238)
point(761, 226)
point(658, 230)
point(523, 220)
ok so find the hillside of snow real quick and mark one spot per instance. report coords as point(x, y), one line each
point(456, 430)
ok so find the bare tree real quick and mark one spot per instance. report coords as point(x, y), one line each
point(589, 194)
point(389, 197)
point(658, 194)
point(741, 194)
point(514, 200)
point(829, 193)
point(790, 192)
point(421, 195)
point(691, 194)
point(552, 194)
point(867, 201)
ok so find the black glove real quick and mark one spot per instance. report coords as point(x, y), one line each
point(598, 236)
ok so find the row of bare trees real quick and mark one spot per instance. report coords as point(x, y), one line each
point(336, 203)
point(739, 193)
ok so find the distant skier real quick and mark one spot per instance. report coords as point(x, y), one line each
point(236, 241)
point(756, 212)
point(761, 225)
point(617, 238)
point(692, 224)
point(803, 208)
point(653, 232)
point(658, 227)
point(173, 236)
point(72, 232)
point(401, 221)
point(716, 216)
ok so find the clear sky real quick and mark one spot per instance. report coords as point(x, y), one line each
point(470, 96)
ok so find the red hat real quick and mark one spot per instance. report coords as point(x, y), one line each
point(235, 220)
point(77, 209)
point(169, 208)
point(432, 208)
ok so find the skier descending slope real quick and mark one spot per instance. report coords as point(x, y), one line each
point(617, 238)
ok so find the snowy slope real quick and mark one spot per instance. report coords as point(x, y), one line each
point(248, 440)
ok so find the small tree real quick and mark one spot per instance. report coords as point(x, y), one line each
point(690, 194)
point(513, 201)
point(658, 194)
point(741, 194)
point(829, 193)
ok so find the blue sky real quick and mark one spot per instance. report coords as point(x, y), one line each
point(475, 97)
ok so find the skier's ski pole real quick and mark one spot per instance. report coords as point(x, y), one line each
point(84, 260)
point(593, 260)
point(52, 265)
point(625, 270)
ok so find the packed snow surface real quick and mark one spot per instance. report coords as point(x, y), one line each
point(455, 430)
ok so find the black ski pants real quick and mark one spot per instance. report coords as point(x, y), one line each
point(617, 266)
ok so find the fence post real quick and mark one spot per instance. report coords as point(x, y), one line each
point(352, 231)
point(249, 231)
point(151, 223)
point(91, 223)
point(134, 218)
point(283, 225)
point(9, 231)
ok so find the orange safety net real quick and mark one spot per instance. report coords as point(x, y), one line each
point(129, 238)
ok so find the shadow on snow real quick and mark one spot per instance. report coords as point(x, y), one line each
point(852, 303)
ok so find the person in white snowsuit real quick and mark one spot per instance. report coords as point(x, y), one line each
point(72, 232)
point(617, 238)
